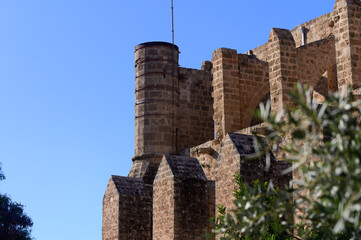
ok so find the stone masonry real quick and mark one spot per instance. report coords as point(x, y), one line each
point(193, 127)
point(180, 199)
point(127, 209)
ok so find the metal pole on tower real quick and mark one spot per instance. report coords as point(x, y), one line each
point(172, 37)
point(175, 129)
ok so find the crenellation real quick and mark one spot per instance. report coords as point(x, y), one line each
point(193, 128)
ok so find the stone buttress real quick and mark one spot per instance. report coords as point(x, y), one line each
point(180, 199)
point(127, 210)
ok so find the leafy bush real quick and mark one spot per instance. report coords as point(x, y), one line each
point(323, 143)
point(254, 213)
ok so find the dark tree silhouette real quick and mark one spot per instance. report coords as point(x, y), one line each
point(14, 223)
point(2, 176)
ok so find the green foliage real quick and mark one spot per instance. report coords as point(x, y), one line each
point(254, 216)
point(14, 223)
point(325, 148)
point(323, 144)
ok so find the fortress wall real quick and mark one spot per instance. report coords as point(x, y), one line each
point(261, 52)
point(282, 67)
point(240, 82)
point(314, 60)
point(321, 90)
point(163, 203)
point(110, 225)
point(191, 212)
point(207, 154)
point(211, 192)
point(316, 29)
point(226, 92)
point(181, 201)
point(237, 156)
point(195, 108)
point(253, 86)
point(227, 165)
point(127, 210)
point(348, 43)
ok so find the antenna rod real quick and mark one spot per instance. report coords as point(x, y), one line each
point(172, 38)
point(173, 75)
point(172, 23)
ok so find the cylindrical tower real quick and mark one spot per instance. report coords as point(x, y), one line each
point(156, 100)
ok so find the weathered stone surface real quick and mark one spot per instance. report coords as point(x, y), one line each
point(207, 154)
point(314, 60)
point(156, 98)
point(173, 111)
point(127, 210)
point(196, 106)
point(282, 67)
point(226, 95)
point(180, 199)
point(237, 156)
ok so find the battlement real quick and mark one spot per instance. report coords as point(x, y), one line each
point(192, 127)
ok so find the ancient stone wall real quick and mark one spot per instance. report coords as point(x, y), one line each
point(261, 52)
point(314, 60)
point(226, 91)
point(227, 165)
point(317, 29)
point(240, 81)
point(196, 107)
point(163, 203)
point(347, 32)
point(237, 155)
point(314, 30)
point(282, 67)
point(181, 209)
point(254, 85)
point(127, 210)
point(211, 193)
point(110, 230)
point(207, 154)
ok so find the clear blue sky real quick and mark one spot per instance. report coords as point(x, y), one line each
point(67, 90)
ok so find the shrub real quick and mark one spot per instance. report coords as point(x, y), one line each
point(323, 142)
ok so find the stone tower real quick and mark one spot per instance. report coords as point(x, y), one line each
point(173, 112)
point(156, 107)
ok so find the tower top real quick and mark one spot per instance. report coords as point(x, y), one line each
point(149, 44)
